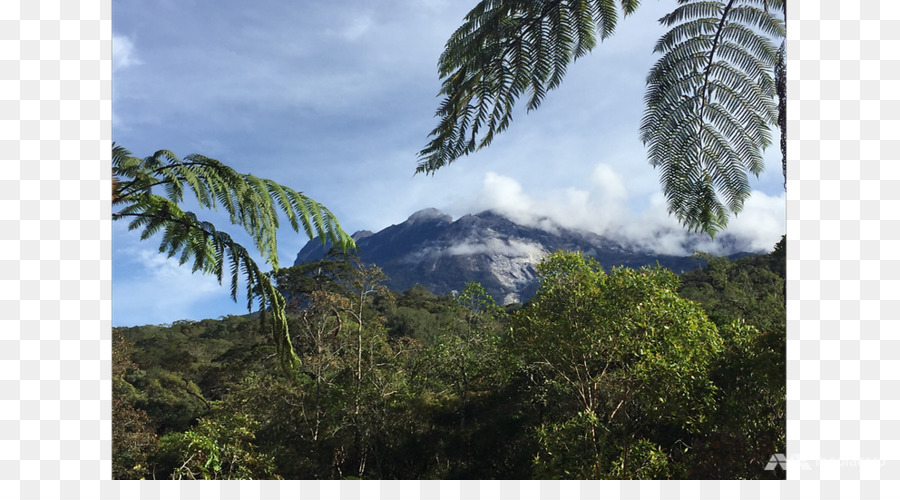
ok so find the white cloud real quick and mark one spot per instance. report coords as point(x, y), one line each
point(602, 207)
point(123, 52)
point(505, 195)
point(762, 221)
point(160, 268)
point(598, 206)
point(609, 183)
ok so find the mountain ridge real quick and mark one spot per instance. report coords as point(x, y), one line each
point(442, 254)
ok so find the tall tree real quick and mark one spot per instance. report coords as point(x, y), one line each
point(343, 350)
point(630, 359)
point(251, 202)
point(709, 98)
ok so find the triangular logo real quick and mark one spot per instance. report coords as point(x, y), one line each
point(777, 460)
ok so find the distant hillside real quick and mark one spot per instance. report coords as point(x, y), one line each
point(433, 250)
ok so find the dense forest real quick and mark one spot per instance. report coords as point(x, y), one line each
point(605, 374)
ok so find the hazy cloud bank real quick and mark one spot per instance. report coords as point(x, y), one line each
point(604, 206)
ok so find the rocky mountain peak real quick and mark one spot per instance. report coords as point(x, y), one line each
point(433, 250)
point(361, 234)
point(429, 214)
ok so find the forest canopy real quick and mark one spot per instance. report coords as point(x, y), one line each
point(605, 374)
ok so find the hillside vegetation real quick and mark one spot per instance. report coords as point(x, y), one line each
point(606, 373)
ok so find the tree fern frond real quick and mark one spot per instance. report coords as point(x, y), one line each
point(506, 49)
point(709, 107)
point(751, 41)
point(606, 18)
point(759, 19)
point(629, 6)
point(251, 202)
point(692, 31)
point(711, 9)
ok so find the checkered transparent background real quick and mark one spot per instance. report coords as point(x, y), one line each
point(843, 291)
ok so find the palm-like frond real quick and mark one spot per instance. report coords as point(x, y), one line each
point(709, 105)
point(251, 202)
point(504, 50)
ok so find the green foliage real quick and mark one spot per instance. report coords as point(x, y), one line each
point(751, 289)
point(478, 302)
point(710, 105)
point(603, 375)
point(296, 283)
point(466, 357)
point(630, 353)
point(750, 421)
point(746, 299)
point(419, 314)
point(172, 401)
point(178, 369)
point(644, 459)
point(568, 449)
point(295, 425)
point(466, 353)
point(342, 347)
point(133, 439)
point(505, 49)
point(251, 202)
point(217, 448)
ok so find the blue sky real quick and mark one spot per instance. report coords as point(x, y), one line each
point(336, 98)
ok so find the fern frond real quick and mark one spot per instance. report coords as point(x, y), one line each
point(251, 202)
point(504, 50)
point(709, 106)
point(210, 248)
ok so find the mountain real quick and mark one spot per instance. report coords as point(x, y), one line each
point(433, 250)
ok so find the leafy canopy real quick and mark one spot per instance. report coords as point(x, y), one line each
point(631, 355)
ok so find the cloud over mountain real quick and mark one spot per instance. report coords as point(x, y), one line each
point(605, 206)
point(442, 254)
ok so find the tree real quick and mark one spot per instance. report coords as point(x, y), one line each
point(746, 299)
point(744, 289)
point(343, 350)
point(219, 447)
point(466, 357)
point(709, 98)
point(251, 202)
point(629, 360)
point(749, 423)
point(133, 439)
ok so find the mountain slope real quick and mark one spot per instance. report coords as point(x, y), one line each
point(432, 249)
